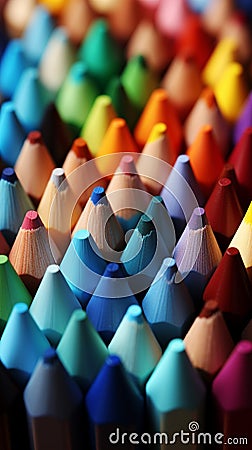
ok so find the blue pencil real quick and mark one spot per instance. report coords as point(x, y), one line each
point(110, 301)
point(167, 305)
point(114, 405)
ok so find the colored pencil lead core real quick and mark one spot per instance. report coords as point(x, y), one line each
point(134, 313)
point(244, 347)
point(31, 221)
point(232, 251)
point(80, 148)
point(224, 182)
point(58, 176)
point(8, 174)
point(177, 345)
point(158, 130)
point(113, 361)
point(21, 308)
point(145, 225)
point(171, 268)
point(209, 309)
point(35, 137)
point(97, 194)
point(248, 215)
point(112, 269)
point(50, 356)
point(3, 259)
point(198, 219)
point(127, 165)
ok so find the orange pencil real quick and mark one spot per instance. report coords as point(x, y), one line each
point(116, 139)
point(158, 109)
point(206, 159)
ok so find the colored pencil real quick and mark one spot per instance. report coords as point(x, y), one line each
point(13, 289)
point(127, 194)
point(232, 407)
point(136, 345)
point(206, 112)
point(98, 218)
point(22, 344)
point(56, 60)
point(97, 122)
point(208, 341)
point(37, 34)
point(175, 394)
point(53, 304)
point(13, 63)
point(167, 305)
point(13, 422)
point(240, 158)
point(15, 203)
point(32, 239)
point(242, 240)
point(12, 134)
point(59, 209)
point(114, 405)
point(158, 109)
point(224, 212)
point(206, 159)
point(231, 288)
point(80, 91)
point(54, 402)
point(183, 72)
point(197, 254)
point(34, 154)
point(181, 193)
point(110, 301)
point(101, 53)
point(82, 265)
point(155, 160)
point(81, 349)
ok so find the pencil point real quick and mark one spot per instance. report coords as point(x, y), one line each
point(171, 268)
point(8, 174)
point(145, 225)
point(31, 221)
point(50, 356)
point(134, 313)
point(210, 308)
point(248, 215)
point(209, 97)
point(198, 219)
point(158, 130)
point(127, 165)
point(35, 137)
point(113, 361)
point(58, 176)
point(97, 194)
point(80, 148)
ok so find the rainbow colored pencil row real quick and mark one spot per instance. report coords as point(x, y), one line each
point(125, 224)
